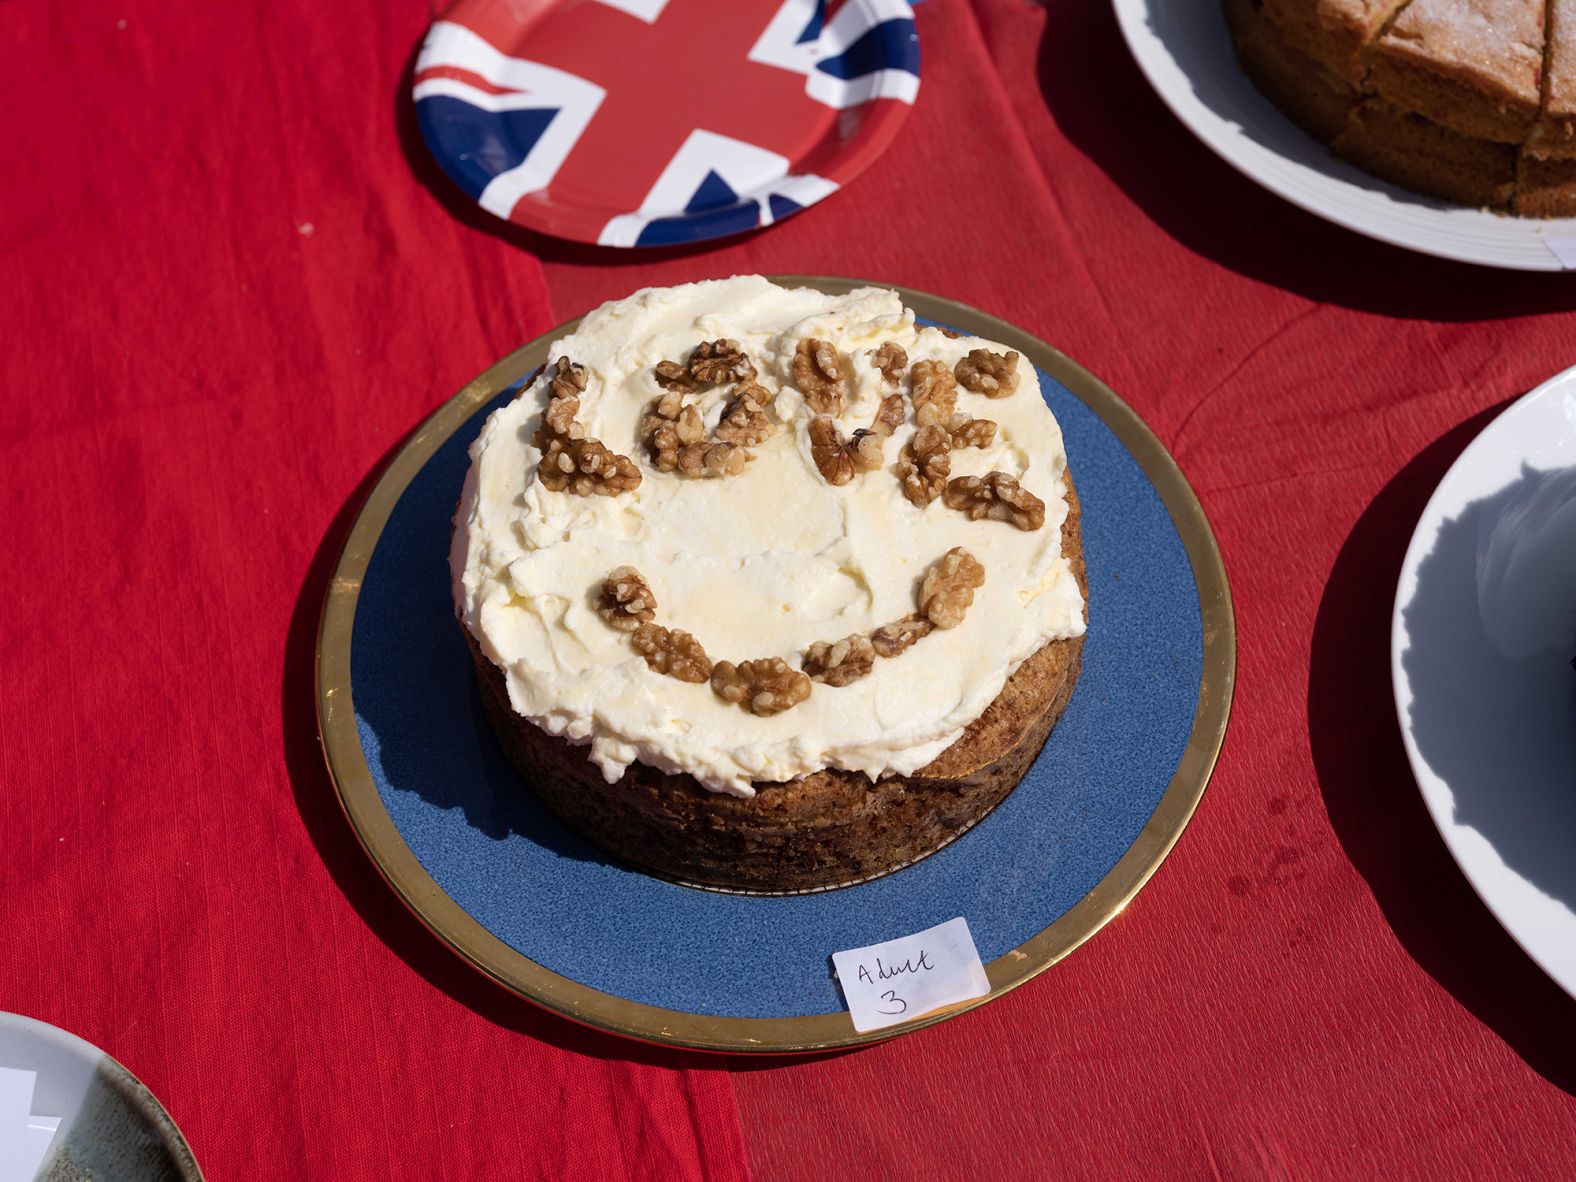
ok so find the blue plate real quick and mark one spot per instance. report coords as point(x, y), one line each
point(504, 882)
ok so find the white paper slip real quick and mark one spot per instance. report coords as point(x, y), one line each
point(24, 1138)
point(1562, 247)
point(900, 980)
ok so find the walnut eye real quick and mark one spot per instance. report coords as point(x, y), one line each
point(994, 375)
point(572, 462)
point(673, 431)
point(818, 373)
point(996, 496)
point(839, 460)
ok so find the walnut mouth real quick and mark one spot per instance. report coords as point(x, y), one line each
point(769, 685)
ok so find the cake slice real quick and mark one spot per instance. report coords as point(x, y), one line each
point(1472, 66)
point(1334, 34)
point(1317, 100)
point(1420, 154)
point(1554, 134)
point(1546, 171)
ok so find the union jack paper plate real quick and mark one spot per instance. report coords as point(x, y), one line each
point(656, 122)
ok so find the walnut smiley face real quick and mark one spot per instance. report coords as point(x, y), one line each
point(676, 440)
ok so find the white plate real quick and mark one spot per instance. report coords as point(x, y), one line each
point(1480, 651)
point(111, 1127)
point(1184, 48)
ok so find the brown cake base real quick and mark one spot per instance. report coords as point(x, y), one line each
point(1545, 188)
point(1428, 158)
point(830, 828)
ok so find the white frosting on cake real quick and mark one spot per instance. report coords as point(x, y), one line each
point(755, 565)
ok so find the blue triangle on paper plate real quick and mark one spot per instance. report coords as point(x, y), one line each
point(891, 45)
point(713, 193)
point(813, 30)
point(781, 206)
point(475, 145)
point(695, 227)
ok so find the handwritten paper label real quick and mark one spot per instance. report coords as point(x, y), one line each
point(1562, 247)
point(902, 979)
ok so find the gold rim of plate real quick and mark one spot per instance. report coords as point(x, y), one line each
point(769, 1035)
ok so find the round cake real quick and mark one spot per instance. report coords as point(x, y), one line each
point(770, 589)
point(1472, 101)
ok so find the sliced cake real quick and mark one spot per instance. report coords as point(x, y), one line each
point(1410, 150)
point(1470, 101)
point(1554, 134)
point(1317, 99)
point(1335, 34)
point(1546, 173)
point(1471, 66)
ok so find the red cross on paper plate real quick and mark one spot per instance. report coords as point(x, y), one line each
point(652, 122)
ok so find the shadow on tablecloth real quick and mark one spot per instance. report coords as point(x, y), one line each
point(1106, 107)
point(1373, 800)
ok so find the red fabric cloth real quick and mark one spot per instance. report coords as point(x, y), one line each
point(234, 282)
point(227, 298)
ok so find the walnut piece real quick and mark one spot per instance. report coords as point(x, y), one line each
point(674, 375)
point(889, 415)
point(720, 361)
point(745, 420)
point(710, 362)
point(996, 496)
point(673, 652)
point(568, 382)
point(935, 392)
point(891, 360)
point(925, 464)
point(948, 587)
point(899, 636)
point(627, 601)
point(841, 661)
point(764, 687)
point(969, 432)
point(818, 372)
point(586, 468)
point(569, 378)
point(708, 458)
point(992, 374)
point(669, 426)
point(558, 421)
point(675, 435)
point(840, 460)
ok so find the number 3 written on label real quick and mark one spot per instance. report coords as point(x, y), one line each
point(900, 980)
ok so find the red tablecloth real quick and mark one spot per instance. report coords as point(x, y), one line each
point(233, 282)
